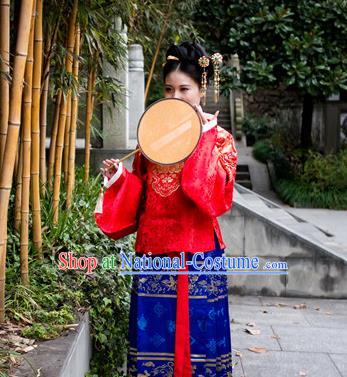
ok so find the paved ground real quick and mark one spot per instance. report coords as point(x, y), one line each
point(310, 340)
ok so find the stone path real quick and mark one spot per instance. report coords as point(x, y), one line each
point(259, 173)
point(310, 340)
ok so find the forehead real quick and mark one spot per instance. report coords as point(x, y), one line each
point(176, 78)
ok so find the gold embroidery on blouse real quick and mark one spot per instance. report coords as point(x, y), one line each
point(166, 178)
point(227, 152)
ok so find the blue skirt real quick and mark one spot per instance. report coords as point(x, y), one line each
point(152, 323)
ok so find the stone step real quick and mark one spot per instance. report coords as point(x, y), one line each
point(242, 175)
point(223, 106)
point(242, 167)
point(245, 183)
point(224, 119)
point(226, 126)
point(213, 109)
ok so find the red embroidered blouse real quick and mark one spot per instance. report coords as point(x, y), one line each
point(177, 205)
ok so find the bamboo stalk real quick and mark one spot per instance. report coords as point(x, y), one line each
point(15, 169)
point(88, 119)
point(43, 128)
point(35, 133)
point(161, 37)
point(18, 194)
point(4, 71)
point(50, 43)
point(62, 117)
point(58, 157)
point(73, 126)
point(26, 143)
point(43, 115)
point(52, 145)
point(66, 139)
point(6, 172)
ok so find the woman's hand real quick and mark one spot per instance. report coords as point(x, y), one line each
point(202, 115)
point(110, 167)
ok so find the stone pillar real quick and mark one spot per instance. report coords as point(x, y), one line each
point(332, 127)
point(136, 91)
point(115, 119)
point(236, 102)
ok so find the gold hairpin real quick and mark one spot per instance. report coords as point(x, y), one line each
point(170, 57)
point(204, 63)
point(217, 60)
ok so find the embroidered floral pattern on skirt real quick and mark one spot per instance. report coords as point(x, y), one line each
point(152, 324)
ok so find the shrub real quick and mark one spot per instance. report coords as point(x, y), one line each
point(299, 194)
point(257, 128)
point(262, 150)
point(54, 297)
point(322, 182)
point(304, 177)
point(326, 172)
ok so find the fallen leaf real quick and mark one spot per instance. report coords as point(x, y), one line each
point(237, 352)
point(235, 321)
point(275, 337)
point(27, 341)
point(252, 331)
point(14, 338)
point(300, 306)
point(72, 325)
point(258, 349)
point(28, 349)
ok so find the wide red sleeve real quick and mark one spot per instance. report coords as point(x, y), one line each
point(208, 175)
point(116, 212)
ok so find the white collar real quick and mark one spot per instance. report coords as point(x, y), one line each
point(210, 124)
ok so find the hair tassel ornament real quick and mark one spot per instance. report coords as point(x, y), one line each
point(204, 63)
point(217, 60)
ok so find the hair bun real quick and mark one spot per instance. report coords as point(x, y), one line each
point(189, 53)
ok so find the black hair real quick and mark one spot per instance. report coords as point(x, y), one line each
point(188, 54)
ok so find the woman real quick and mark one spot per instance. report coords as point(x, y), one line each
point(179, 324)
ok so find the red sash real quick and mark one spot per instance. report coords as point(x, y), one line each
point(182, 335)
